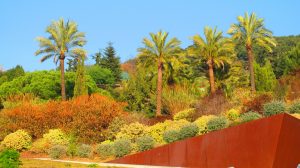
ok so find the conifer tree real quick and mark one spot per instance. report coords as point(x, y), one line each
point(80, 87)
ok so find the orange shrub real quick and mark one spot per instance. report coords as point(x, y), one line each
point(84, 116)
point(256, 104)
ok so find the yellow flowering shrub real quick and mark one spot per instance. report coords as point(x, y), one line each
point(132, 132)
point(202, 121)
point(18, 140)
point(186, 114)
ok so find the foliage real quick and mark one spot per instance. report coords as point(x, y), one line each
point(18, 140)
point(56, 137)
point(85, 150)
point(122, 147)
point(189, 130)
point(80, 87)
point(132, 132)
point(156, 132)
point(57, 151)
point(105, 149)
point(10, 159)
point(114, 127)
point(171, 136)
point(11, 74)
point(202, 121)
point(294, 108)
point(232, 114)
point(84, 116)
point(274, 108)
point(249, 116)
point(265, 79)
point(100, 75)
point(256, 103)
point(217, 123)
point(145, 143)
point(187, 114)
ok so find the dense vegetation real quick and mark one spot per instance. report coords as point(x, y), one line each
point(165, 94)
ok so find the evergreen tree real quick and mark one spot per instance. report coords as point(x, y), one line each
point(97, 57)
point(110, 61)
point(80, 87)
point(265, 78)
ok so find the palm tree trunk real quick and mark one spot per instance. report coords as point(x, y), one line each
point(62, 79)
point(211, 77)
point(251, 68)
point(159, 88)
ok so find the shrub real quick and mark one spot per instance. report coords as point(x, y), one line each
point(232, 114)
point(256, 103)
point(39, 146)
point(9, 159)
point(105, 149)
point(274, 108)
point(217, 123)
point(72, 150)
point(56, 137)
point(132, 132)
point(85, 150)
point(294, 108)
point(122, 147)
point(187, 114)
point(145, 143)
point(57, 151)
point(114, 127)
point(175, 125)
point(189, 130)
point(18, 140)
point(171, 136)
point(156, 132)
point(202, 121)
point(85, 116)
point(249, 116)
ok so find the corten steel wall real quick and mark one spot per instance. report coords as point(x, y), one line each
point(265, 143)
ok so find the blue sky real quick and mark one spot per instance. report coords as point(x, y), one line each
point(125, 23)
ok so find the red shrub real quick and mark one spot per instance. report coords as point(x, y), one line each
point(256, 104)
point(85, 116)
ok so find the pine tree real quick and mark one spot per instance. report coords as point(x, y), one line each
point(265, 78)
point(80, 87)
point(97, 57)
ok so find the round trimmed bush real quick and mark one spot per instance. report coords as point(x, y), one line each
point(57, 151)
point(232, 114)
point(171, 136)
point(18, 140)
point(202, 121)
point(105, 149)
point(189, 130)
point(10, 159)
point(294, 108)
point(122, 147)
point(217, 123)
point(249, 116)
point(145, 143)
point(132, 131)
point(186, 114)
point(85, 150)
point(56, 137)
point(274, 108)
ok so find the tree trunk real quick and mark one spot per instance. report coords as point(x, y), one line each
point(62, 79)
point(251, 68)
point(159, 88)
point(211, 77)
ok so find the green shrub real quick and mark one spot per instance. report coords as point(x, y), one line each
point(187, 114)
point(18, 140)
point(145, 143)
point(57, 151)
point(249, 116)
point(202, 121)
point(232, 114)
point(9, 159)
point(132, 131)
point(105, 149)
point(274, 108)
point(294, 108)
point(72, 150)
point(156, 132)
point(122, 147)
point(189, 130)
point(56, 137)
point(85, 150)
point(171, 136)
point(114, 127)
point(175, 125)
point(217, 123)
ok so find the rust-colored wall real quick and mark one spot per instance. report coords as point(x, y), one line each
point(264, 143)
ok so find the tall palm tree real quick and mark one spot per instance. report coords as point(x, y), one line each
point(64, 37)
point(159, 50)
point(248, 31)
point(215, 49)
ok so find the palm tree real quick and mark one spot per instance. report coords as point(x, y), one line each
point(248, 31)
point(63, 37)
point(159, 50)
point(214, 49)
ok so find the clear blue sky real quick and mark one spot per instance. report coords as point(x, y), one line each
point(125, 23)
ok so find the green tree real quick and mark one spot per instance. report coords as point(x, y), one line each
point(102, 76)
point(80, 87)
point(11, 74)
point(251, 30)
point(97, 57)
point(214, 49)
point(265, 78)
point(158, 50)
point(64, 37)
